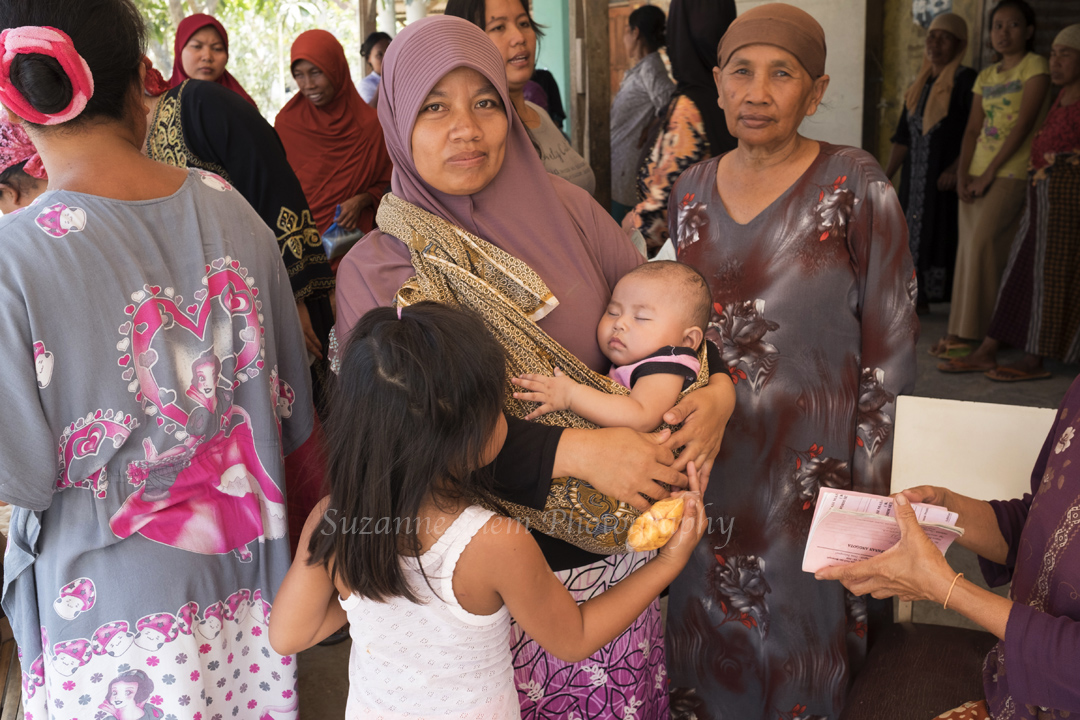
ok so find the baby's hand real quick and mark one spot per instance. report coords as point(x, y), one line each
point(553, 393)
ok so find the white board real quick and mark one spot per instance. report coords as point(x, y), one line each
point(982, 450)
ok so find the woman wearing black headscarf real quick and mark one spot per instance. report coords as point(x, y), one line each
point(693, 126)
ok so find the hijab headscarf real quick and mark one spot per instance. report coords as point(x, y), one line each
point(782, 25)
point(188, 27)
point(336, 150)
point(1069, 37)
point(937, 104)
point(694, 29)
point(553, 226)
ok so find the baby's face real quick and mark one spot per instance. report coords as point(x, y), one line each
point(645, 314)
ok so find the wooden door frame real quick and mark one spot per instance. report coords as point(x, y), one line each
point(590, 96)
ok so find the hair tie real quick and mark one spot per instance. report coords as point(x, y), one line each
point(56, 44)
point(399, 312)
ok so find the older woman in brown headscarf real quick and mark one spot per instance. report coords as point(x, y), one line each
point(805, 249)
point(332, 137)
point(927, 146)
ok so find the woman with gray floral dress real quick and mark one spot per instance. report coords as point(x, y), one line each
point(813, 309)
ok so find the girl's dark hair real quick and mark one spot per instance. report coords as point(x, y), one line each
point(1029, 17)
point(651, 25)
point(18, 178)
point(109, 34)
point(410, 415)
point(372, 40)
point(475, 12)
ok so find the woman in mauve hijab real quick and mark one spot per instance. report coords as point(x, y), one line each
point(474, 167)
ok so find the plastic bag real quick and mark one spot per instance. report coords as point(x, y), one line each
point(336, 241)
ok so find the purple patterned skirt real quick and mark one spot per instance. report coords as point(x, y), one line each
point(627, 679)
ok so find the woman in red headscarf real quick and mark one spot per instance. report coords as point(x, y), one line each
point(332, 137)
point(201, 51)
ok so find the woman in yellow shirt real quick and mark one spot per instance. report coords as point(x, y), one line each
point(1010, 101)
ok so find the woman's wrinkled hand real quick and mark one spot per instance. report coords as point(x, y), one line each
point(704, 415)
point(349, 217)
point(913, 569)
point(627, 465)
point(927, 494)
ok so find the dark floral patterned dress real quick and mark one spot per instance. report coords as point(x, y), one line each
point(814, 312)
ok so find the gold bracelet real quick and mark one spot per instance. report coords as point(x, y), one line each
point(945, 605)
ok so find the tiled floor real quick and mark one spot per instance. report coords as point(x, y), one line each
point(324, 671)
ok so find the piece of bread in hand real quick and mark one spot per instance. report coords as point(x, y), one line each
point(656, 526)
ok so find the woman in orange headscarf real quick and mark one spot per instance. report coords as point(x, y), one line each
point(332, 137)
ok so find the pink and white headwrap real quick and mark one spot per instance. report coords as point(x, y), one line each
point(15, 147)
point(55, 43)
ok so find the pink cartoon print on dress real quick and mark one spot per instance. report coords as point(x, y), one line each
point(213, 620)
point(127, 697)
point(87, 445)
point(70, 655)
point(75, 598)
point(280, 711)
point(214, 181)
point(43, 365)
point(283, 395)
point(59, 219)
point(186, 618)
point(112, 639)
point(260, 609)
point(156, 630)
point(237, 605)
point(34, 679)
point(210, 493)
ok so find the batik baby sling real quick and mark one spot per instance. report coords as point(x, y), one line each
point(458, 268)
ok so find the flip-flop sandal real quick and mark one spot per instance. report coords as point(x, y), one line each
point(951, 350)
point(1008, 375)
point(957, 366)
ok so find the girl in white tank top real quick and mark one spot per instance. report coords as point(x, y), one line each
point(427, 579)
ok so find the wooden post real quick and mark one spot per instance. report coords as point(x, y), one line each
point(598, 97)
point(367, 10)
point(590, 94)
point(577, 75)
